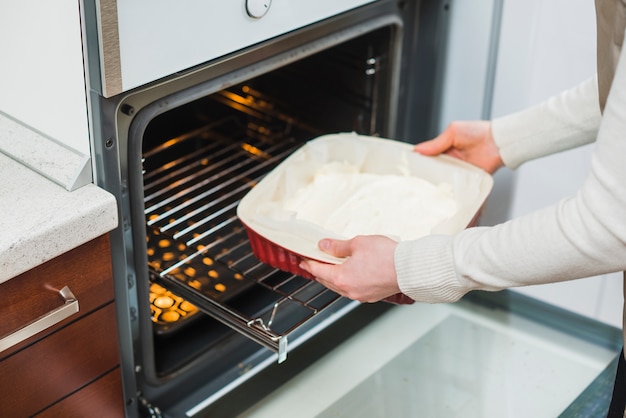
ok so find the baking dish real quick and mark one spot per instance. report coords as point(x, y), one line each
point(281, 240)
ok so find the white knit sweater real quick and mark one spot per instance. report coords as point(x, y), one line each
point(581, 236)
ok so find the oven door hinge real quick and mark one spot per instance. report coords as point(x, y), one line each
point(147, 409)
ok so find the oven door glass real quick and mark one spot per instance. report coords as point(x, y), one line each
point(460, 360)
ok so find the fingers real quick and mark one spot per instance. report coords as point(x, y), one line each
point(327, 275)
point(368, 272)
point(335, 247)
point(319, 271)
point(435, 146)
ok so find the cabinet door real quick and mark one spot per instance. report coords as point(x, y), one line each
point(86, 270)
point(101, 399)
point(60, 364)
point(65, 357)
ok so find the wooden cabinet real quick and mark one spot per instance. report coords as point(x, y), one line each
point(73, 364)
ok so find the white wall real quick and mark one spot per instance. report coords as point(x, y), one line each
point(544, 47)
point(42, 80)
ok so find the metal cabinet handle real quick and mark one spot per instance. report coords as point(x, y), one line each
point(69, 308)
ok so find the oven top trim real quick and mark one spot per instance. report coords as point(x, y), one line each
point(145, 40)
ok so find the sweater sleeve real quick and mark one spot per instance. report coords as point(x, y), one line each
point(562, 122)
point(581, 236)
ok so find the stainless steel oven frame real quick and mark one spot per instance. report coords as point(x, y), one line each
point(411, 110)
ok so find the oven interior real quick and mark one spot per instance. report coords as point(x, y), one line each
point(198, 159)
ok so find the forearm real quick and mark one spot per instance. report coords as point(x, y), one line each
point(562, 242)
point(565, 121)
point(581, 236)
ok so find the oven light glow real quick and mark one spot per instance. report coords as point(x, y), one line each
point(164, 302)
point(168, 256)
point(170, 316)
point(238, 99)
point(195, 284)
point(255, 151)
point(170, 143)
point(186, 306)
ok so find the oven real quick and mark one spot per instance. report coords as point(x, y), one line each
point(198, 314)
point(189, 108)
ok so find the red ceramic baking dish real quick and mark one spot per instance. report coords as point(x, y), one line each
point(279, 238)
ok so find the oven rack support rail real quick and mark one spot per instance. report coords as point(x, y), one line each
point(255, 328)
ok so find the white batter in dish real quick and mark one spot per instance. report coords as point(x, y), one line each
point(346, 201)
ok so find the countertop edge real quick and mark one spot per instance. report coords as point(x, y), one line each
point(60, 164)
point(42, 220)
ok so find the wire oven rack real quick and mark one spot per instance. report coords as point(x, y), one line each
point(197, 246)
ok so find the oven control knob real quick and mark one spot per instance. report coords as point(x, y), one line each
point(257, 8)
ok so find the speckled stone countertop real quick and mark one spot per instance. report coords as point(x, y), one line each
point(40, 219)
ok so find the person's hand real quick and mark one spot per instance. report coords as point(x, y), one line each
point(367, 275)
point(470, 141)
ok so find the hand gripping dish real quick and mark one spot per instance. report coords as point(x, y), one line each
point(279, 238)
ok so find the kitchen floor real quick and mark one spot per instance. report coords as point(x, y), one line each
point(455, 360)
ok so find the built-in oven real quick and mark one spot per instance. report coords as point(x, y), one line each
point(198, 313)
point(190, 106)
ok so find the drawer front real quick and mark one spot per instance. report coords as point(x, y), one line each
point(86, 270)
point(101, 399)
point(65, 361)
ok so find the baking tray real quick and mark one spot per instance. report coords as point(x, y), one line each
point(280, 240)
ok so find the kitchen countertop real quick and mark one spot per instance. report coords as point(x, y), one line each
point(40, 219)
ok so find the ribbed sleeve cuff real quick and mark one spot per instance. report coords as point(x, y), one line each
point(425, 270)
